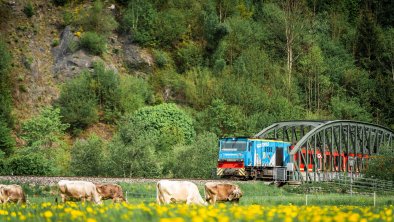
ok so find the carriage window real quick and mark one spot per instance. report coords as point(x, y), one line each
point(234, 146)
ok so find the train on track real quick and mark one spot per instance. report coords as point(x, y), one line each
point(254, 158)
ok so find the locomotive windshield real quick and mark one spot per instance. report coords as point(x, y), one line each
point(234, 145)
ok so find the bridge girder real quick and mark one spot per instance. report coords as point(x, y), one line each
point(326, 145)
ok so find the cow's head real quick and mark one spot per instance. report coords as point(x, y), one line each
point(235, 194)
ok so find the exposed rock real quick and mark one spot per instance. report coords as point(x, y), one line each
point(137, 58)
point(68, 63)
point(67, 42)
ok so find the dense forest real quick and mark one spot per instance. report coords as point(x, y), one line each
point(219, 68)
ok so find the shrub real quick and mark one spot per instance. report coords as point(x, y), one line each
point(7, 143)
point(44, 129)
point(77, 102)
point(162, 59)
point(134, 93)
point(136, 158)
point(29, 10)
point(31, 164)
point(87, 157)
point(166, 119)
point(139, 20)
point(189, 55)
point(221, 118)
point(106, 86)
point(97, 19)
point(93, 43)
point(203, 150)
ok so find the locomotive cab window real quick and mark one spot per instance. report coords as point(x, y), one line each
point(234, 146)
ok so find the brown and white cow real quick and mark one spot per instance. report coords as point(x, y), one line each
point(215, 191)
point(110, 191)
point(12, 193)
point(81, 190)
point(178, 192)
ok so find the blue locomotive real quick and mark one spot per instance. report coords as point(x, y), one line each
point(251, 158)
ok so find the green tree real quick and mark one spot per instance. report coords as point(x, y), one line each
point(221, 119)
point(188, 55)
point(201, 158)
point(135, 92)
point(32, 164)
point(77, 102)
point(368, 43)
point(44, 136)
point(170, 28)
point(139, 20)
point(45, 129)
point(105, 84)
point(343, 108)
point(7, 143)
point(381, 166)
point(313, 68)
point(134, 156)
point(87, 157)
point(199, 87)
point(161, 119)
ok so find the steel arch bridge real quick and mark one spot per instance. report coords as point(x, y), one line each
point(323, 149)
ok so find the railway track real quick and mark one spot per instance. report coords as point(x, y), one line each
point(40, 180)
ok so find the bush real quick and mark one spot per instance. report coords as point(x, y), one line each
point(78, 103)
point(201, 158)
point(343, 108)
point(135, 157)
point(93, 43)
point(87, 157)
point(162, 59)
point(97, 19)
point(106, 86)
point(189, 55)
point(134, 93)
point(44, 129)
point(165, 119)
point(31, 164)
point(221, 118)
point(139, 20)
point(29, 10)
point(7, 142)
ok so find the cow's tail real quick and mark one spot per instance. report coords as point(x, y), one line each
point(158, 193)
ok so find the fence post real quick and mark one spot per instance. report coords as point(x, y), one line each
point(127, 199)
point(374, 199)
point(306, 199)
point(351, 184)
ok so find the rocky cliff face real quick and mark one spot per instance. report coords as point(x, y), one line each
point(40, 66)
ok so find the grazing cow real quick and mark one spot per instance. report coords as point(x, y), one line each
point(110, 191)
point(222, 192)
point(12, 193)
point(178, 191)
point(81, 190)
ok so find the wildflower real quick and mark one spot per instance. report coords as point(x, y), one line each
point(48, 214)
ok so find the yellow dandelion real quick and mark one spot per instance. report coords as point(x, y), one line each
point(48, 214)
point(175, 219)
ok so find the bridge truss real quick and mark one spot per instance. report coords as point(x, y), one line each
point(327, 148)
